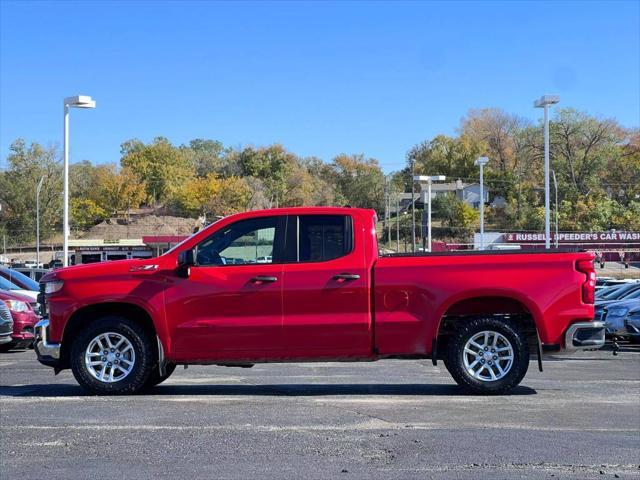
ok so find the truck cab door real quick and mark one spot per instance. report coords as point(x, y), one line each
point(326, 302)
point(230, 304)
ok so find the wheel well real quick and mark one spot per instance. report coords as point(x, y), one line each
point(86, 315)
point(509, 309)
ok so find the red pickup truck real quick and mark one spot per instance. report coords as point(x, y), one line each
point(308, 284)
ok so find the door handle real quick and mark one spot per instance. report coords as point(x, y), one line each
point(263, 279)
point(346, 276)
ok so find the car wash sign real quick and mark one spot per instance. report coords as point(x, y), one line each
point(576, 237)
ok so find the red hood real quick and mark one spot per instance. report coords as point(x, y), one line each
point(98, 269)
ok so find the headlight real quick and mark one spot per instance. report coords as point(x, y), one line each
point(53, 287)
point(618, 311)
point(17, 306)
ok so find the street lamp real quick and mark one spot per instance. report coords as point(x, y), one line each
point(482, 161)
point(428, 180)
point(79, 101)
point(544, 102)
point(38, 189)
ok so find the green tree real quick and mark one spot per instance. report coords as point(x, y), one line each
point(160, 166)
point(360, 181)
point(85, 213)
point(26, 166)
point(207, 156)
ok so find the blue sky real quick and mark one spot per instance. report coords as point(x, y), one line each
point(320, 78)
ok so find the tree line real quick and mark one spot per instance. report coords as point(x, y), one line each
point(596, 162)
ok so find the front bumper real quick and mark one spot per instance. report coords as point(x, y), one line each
point(48, 353)
point(585, 336)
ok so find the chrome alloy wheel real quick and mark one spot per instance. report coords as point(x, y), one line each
point(110, 357)
point(488, 356)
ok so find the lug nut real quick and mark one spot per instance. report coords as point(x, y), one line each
point(486, 349)
point(495, 357)
point(117, 354)
point(104, 359)
point(109, 364)
point(493, 350)
point(490, 363)
point(106, 352)
point(482, 361)
point(116, 362)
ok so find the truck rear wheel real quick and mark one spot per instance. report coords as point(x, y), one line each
point(112, 356)
point(487, 356)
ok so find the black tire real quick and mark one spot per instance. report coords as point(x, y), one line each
point(5, 347)
point(156, 379)
point(136, 379)
point(466, 330)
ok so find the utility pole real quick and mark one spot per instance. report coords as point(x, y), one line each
point(555, 184)
point(389, 210)
point(38, 189)
point(413, 206)
point(397, 224)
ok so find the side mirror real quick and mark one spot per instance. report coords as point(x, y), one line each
point(186, 260)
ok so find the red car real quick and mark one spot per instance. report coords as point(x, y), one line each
point(24, 320)
point(308, 284)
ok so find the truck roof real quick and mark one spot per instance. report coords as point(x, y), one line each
point(305, 211)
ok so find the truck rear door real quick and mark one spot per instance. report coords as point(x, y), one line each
point(326, 303)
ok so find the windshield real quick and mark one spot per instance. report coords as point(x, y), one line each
point(613, 293)
point(7, 285)
point(20, 279)
point(634, 294)
point(191, 236)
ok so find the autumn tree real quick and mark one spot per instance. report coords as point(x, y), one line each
point(212, 196)
point(119, 191)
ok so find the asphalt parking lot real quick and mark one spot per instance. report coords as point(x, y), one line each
point(390, 419)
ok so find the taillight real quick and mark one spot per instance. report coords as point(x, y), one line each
point(589, 285)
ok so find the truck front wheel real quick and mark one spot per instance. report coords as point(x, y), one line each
point(487, 355)
point(112, 356)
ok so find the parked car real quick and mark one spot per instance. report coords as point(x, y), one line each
point(13, 288)
point(20, 279)
point(601, 281)
point(614, 315)
point(614, 291)
point(632, 324)
point(621, 293)
point(325, 294)
point(24, 320)
point(34, 273)
point(6, 324)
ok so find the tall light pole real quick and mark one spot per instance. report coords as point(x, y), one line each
point(79, 101)
point(555, 184)
point(482, 161)
point(428, 180)
point(413, 205)
point(38, 189)
point(544, 102)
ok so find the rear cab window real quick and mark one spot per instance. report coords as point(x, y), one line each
point(319, 238)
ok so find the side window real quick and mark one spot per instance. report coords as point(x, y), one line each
point(245, 242)
point(324, 237)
